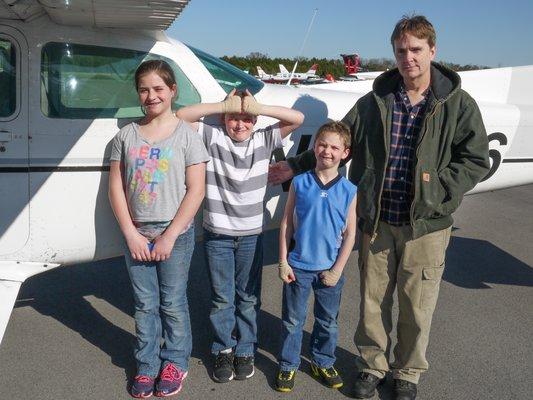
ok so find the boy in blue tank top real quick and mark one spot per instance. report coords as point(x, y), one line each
point(320, 216)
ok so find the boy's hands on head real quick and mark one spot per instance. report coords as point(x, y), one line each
point(330, 277)
point(285, 272)
point(232, 104)
point(250, 104)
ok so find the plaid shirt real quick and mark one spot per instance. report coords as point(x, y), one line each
point(397, 190)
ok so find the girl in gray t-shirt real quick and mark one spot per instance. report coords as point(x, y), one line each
point(156, 185)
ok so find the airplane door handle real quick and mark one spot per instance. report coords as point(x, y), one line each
point(5, 136)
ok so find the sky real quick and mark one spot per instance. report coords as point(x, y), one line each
point(494, 33)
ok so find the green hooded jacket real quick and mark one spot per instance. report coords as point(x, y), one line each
point(451, 156)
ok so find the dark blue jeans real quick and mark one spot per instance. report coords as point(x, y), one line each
point(325, 331)
point(161, 308)
point(235, 266)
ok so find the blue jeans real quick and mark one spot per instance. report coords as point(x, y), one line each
point(235, 266)
point(161, 308)
point(294, 310)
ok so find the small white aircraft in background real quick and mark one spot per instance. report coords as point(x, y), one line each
point(66, 78)
point(300, 77)
point(283, 76)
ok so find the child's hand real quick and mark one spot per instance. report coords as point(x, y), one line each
point(330, 277)
point(250, 105)
point(162, 248)
point(279, 172)
point(138, 246)
point(285, 272)
point(232, 103)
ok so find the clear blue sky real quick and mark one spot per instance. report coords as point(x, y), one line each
point(491, 32)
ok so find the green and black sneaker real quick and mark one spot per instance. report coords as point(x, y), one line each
point(328, 376)
point(285, 381)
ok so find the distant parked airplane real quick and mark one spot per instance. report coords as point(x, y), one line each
point(352, 65)
point(284, 75)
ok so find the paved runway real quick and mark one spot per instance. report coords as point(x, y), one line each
point(71, 333)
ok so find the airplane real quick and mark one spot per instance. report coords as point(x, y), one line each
point(66, 73)
point(352, 66)
point(301, 77)
point(284, 75)
point(269, 78)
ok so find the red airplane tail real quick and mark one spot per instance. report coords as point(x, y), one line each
point(352, 62)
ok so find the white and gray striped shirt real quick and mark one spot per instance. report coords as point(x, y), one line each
point(236, 179)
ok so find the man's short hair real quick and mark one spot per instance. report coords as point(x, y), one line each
point(416, 25)
point(337, 127)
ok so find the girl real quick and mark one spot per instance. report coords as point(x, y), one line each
point(156, 185)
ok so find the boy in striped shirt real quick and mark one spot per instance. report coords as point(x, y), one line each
point(233, 220)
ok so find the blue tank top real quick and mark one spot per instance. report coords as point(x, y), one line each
point(320, 215)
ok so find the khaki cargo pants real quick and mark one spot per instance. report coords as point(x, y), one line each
point(414, 267)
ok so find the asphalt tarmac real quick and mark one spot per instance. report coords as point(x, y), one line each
point(71, 332)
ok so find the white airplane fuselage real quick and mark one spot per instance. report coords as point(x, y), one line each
point(54, 170)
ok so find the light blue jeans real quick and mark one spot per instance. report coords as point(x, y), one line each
point(294, 311)
point(235, 266)
point(161, 308)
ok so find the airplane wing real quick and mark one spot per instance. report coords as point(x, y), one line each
point(12, 274)
point(8, 295)
point(148, 14)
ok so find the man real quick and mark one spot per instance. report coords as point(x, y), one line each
point(418, 146)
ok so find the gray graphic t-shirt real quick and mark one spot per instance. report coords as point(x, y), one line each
point(155, 172)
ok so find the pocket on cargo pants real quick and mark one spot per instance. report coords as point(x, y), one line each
point(431, 277)
point(424, 257)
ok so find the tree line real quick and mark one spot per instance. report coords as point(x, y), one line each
point(334, 67)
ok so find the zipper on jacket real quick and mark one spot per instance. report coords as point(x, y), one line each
point(417, 151)
point(387, 151)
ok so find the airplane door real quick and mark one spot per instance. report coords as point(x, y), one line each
point(14, 163)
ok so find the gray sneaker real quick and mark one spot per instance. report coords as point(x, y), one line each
point(223, 369)
point(244, 367)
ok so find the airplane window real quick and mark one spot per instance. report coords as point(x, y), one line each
point(8, 79)
point(228, 76)
point(83, 82)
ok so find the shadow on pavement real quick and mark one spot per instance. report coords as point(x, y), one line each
point(67, 295)
point(474, 264)
point(61, 294)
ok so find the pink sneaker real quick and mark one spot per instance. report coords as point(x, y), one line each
point(170, 381)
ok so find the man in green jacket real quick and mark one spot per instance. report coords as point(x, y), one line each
point(418, 146)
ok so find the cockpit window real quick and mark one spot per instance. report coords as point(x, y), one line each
point(84, 82)
point(228, 76)
point(8, 79)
